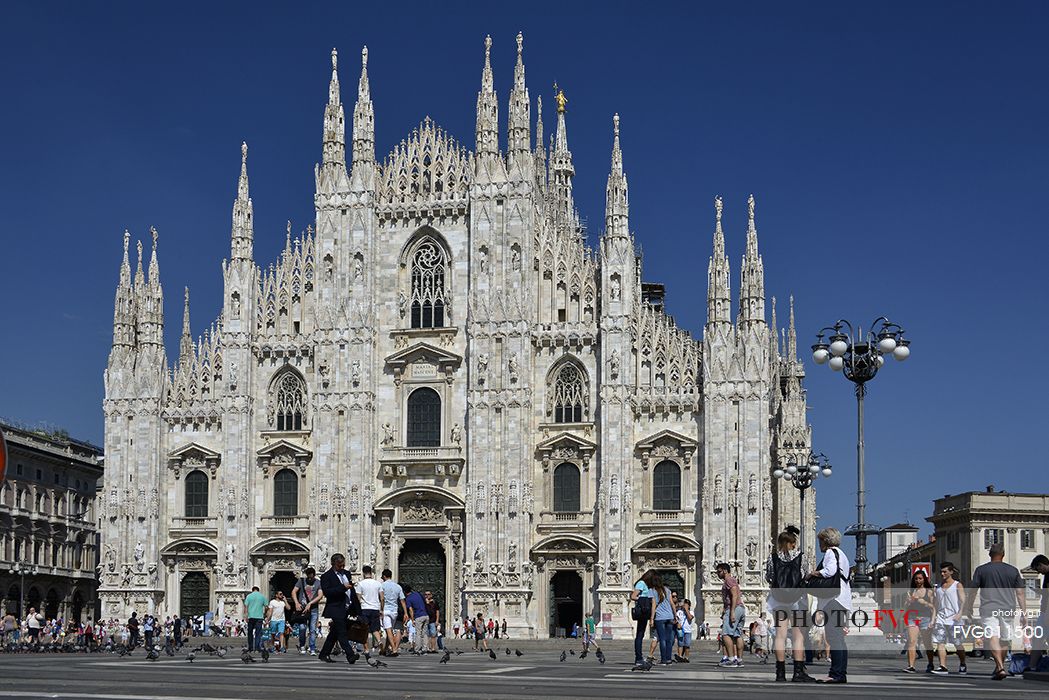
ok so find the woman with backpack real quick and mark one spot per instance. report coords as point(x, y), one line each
point(643, 611)
point(783, 573)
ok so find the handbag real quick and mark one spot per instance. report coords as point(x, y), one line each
point(642, 609)
point(357, 630)
point(827, 587)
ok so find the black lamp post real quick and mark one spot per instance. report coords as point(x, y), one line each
point(859, 356)
point(801, 475)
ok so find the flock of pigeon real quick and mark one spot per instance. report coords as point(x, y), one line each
point(205, 649)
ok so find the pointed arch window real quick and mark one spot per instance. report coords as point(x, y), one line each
point(569, 395)
point(566, 488)
point(666, 486)
point(285, 494)
point(429, 298)
point(424, 418)
point(288, 402)
point(196, 494)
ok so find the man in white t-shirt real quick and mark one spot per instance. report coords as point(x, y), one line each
point(275, 614)
point(370, 593)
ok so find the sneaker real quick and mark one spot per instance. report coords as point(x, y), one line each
point(962, 670)
point(909, 669)
point(738, 663)
point(928, 669)
point(302, 652)
point(940, 671)
point(726, 663)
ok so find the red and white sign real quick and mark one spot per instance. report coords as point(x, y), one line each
point(923, 566)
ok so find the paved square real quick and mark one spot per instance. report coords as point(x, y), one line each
point(537, 674)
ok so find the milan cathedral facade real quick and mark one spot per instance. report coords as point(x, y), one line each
point(442, 377)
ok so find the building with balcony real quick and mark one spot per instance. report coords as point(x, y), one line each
point(48, 535)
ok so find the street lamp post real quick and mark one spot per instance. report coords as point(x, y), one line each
point(20, 569)
point(859, 356)
point(801, 477)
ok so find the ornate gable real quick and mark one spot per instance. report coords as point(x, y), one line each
point(423, 360)
point(667, 444)
point(281, 454)
point(194, 456)
point(566, 447)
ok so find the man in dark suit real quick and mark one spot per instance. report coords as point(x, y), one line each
point(340, 601)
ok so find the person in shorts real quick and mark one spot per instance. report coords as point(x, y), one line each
point(479, 633)
point(950, 599)
point(685, 618)
point(920, 613)
point(370, 593)
point(275, 613)
point(1001, 591)
point(732, 616)
point(392, 607)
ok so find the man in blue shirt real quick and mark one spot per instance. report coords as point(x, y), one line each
point(417, 614)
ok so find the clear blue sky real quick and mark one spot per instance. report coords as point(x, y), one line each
point(897, 151)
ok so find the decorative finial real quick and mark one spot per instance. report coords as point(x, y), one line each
point(364, 56)
point(127, 238)
point(139, 246)
point(187, 296)
point(718, 206)
point(559, 96)
point(488, 46)
point(520, 43)
point(153, 232)
point(750, 208)
point(289, 232)
point(615, 123)
point(243, 152)
point(334, 59)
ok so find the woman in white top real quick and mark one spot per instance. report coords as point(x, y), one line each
point(836, 609)
point(950, 601)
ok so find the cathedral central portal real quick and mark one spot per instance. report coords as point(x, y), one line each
point(422, 566)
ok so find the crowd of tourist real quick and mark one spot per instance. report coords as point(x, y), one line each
point(382, 617)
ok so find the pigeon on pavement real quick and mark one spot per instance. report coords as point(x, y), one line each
point(245, 656)
point(458, 651)
point(507, 651)
point(447, 655)
point(582, 654)
point(518, 652)
point(152, 655)
point(491, 654)
point(221, 653)
point(572, 652)
point(190, 656)
point(265, 655)
point(600, 656)
point(563, 657)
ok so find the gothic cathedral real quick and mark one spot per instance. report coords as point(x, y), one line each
point(443, 378)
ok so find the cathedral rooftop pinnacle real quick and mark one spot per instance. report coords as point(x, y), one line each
point(154, 266)
point(242, 184)
point(719, 296)
point(792, 336)
point(487, 107)
point(186, 344)
point(140, 276)
point(616, 192)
